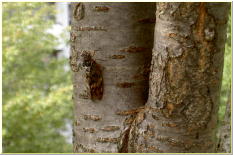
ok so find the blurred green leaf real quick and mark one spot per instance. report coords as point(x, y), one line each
point(36, 89)
point(226, 81)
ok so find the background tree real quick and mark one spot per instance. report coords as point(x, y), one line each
point(36, 90)
point(224, 124)
point(226, 82)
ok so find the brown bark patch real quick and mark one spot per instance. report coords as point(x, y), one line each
point(90, 130)
point(107, 140)
point(110, 128)
point(201, 21)
point(117, 57)
point(169, 124)
point(101, 8)
point(92, 117)
point(170, 108)
point(204, 34)
point(130, 112)
point(125, 85)
point(93, 75)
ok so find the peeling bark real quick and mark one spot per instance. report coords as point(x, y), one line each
point(186, 70)
point(180, 113)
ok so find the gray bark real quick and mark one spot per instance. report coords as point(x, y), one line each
point(187, 61)
point(110, 56)
point(111, 52)
point(224, 145)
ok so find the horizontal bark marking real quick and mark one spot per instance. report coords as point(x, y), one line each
point(90, 28)
point(92, 117)
point(125, 84)
point(117, 57)
point(169, 124)
point(110, 128)
point(130, 112)
point(90, 130)
point(107, 140)
point(101, 8)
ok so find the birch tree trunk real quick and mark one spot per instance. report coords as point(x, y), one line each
point(111, 46)
point(187, 61)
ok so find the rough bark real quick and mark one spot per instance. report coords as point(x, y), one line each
point(111, 46)
point(187, 60)
point(224, 145)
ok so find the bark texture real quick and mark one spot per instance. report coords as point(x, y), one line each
point(224, 145)
point(110, 55)
point(111, 46)
point(186, 70)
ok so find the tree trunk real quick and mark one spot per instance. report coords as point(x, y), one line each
point(187, 62)
point(111, 46)
point(224, 145)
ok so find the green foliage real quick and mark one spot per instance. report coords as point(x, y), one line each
point(36, 89)
point(226, 81)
